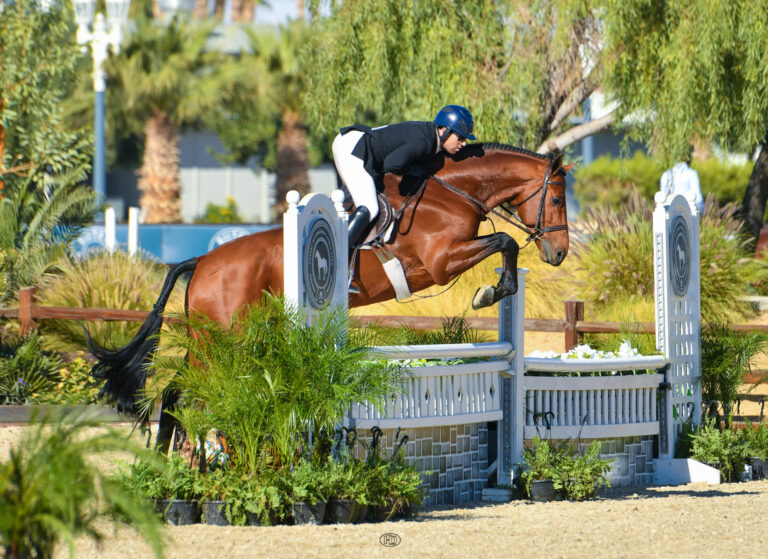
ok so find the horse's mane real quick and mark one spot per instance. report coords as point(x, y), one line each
point(477, 150)
point(507, 147)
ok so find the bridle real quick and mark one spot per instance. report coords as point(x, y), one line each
point(534, 231)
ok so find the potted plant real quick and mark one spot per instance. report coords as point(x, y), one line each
point(540, 470)
point(724, 450)
point(216, 488)
point(341, 491)
point(755, 438)
point(307, 484)
point(578, 476)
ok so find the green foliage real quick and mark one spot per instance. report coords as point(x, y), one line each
point(755, 438)
point(272, 380)
point(614, 251)
point(215, 213)
point(37, 221)
point(51, 491)
point(31, 375)
point(162, 478)
point(511, 63)
point(576, 476)
point(614, 181)
point(688, 70)
point(42, 159)
point(453, 330)
point(581, 474)
point(249, 123)
point(44, 54)
point(26, 370)
point(725, 358)
point(108, 280)
point(724, 448)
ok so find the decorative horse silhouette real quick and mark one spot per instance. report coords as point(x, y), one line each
point(435, 239)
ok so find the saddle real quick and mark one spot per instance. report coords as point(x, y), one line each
point(381, 232)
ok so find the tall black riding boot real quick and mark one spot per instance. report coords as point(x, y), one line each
point(358, 225)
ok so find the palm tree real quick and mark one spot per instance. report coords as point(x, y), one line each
point(163, 79)
point(281, 55)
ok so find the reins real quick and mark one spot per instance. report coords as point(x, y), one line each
point(534, 231)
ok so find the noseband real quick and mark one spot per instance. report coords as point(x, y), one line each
point(535, 231)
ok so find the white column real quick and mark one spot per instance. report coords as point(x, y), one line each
point(133, 230)
point(109, 229)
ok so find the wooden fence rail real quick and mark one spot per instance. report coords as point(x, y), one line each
point(573, 326)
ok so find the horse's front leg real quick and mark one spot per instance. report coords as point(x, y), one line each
point(487, 295)
point(465, 254)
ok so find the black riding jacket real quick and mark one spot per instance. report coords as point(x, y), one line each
point(405, 148)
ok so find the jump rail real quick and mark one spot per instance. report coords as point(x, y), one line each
point(591, 407)
point(439, 395)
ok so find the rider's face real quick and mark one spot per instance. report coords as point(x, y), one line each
point(454, 143)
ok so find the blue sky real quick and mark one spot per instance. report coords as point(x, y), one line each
point(276, 12)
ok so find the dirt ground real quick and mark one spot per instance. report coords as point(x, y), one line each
point(695, 520)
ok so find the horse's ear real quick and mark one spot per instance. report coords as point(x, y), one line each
point(567, 168)
point(557, 160)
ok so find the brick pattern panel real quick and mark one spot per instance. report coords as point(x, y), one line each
point(452, 460)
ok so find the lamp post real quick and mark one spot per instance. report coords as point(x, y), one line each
point(104, 33)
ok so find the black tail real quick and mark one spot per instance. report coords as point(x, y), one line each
point(125, 369)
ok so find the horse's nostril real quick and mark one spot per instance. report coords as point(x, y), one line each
point(560, 255)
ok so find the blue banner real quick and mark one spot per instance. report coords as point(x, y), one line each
point(168, 243)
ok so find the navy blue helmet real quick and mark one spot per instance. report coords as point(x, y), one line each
point(457, 119)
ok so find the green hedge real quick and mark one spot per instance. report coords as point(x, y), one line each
point(612, 181)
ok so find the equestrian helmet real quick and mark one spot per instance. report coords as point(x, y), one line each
point(457, 119)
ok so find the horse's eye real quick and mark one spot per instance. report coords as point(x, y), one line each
point(557, 201)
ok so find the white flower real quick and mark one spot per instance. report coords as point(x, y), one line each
point(585, 352)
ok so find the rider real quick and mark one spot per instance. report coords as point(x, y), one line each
point(363, 154)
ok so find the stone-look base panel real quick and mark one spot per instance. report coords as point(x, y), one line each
point(632, 459)
point(453, 460)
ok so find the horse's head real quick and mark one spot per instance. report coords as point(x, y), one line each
point(531, 187)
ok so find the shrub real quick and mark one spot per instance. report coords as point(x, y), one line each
point(723, 448)
point(755, 438)
point(613, 250)
point(29, 374)
point(215, 213)
point(725, 358)
point(272, 380)
point(576, 476)
point(112, 280)
point(614, 181)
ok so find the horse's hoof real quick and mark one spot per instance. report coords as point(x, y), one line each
point(483, 297)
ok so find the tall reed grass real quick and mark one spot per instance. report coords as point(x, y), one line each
point(109, 280)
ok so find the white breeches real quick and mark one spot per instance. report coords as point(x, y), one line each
point(352, 171)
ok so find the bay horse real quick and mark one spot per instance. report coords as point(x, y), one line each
point(435, 239)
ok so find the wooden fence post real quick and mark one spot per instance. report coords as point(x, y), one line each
point(574, 311)
point(26, 312)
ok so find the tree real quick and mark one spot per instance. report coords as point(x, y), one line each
point(165, 78)
point(694, 69)
point(38, 55)
point(43, 161)
point(522, 67)
point(265, 117)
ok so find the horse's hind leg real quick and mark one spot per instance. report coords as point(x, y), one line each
point(167, 422)
point(487, 295)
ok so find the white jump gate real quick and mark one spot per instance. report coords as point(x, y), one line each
point(504, 387)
